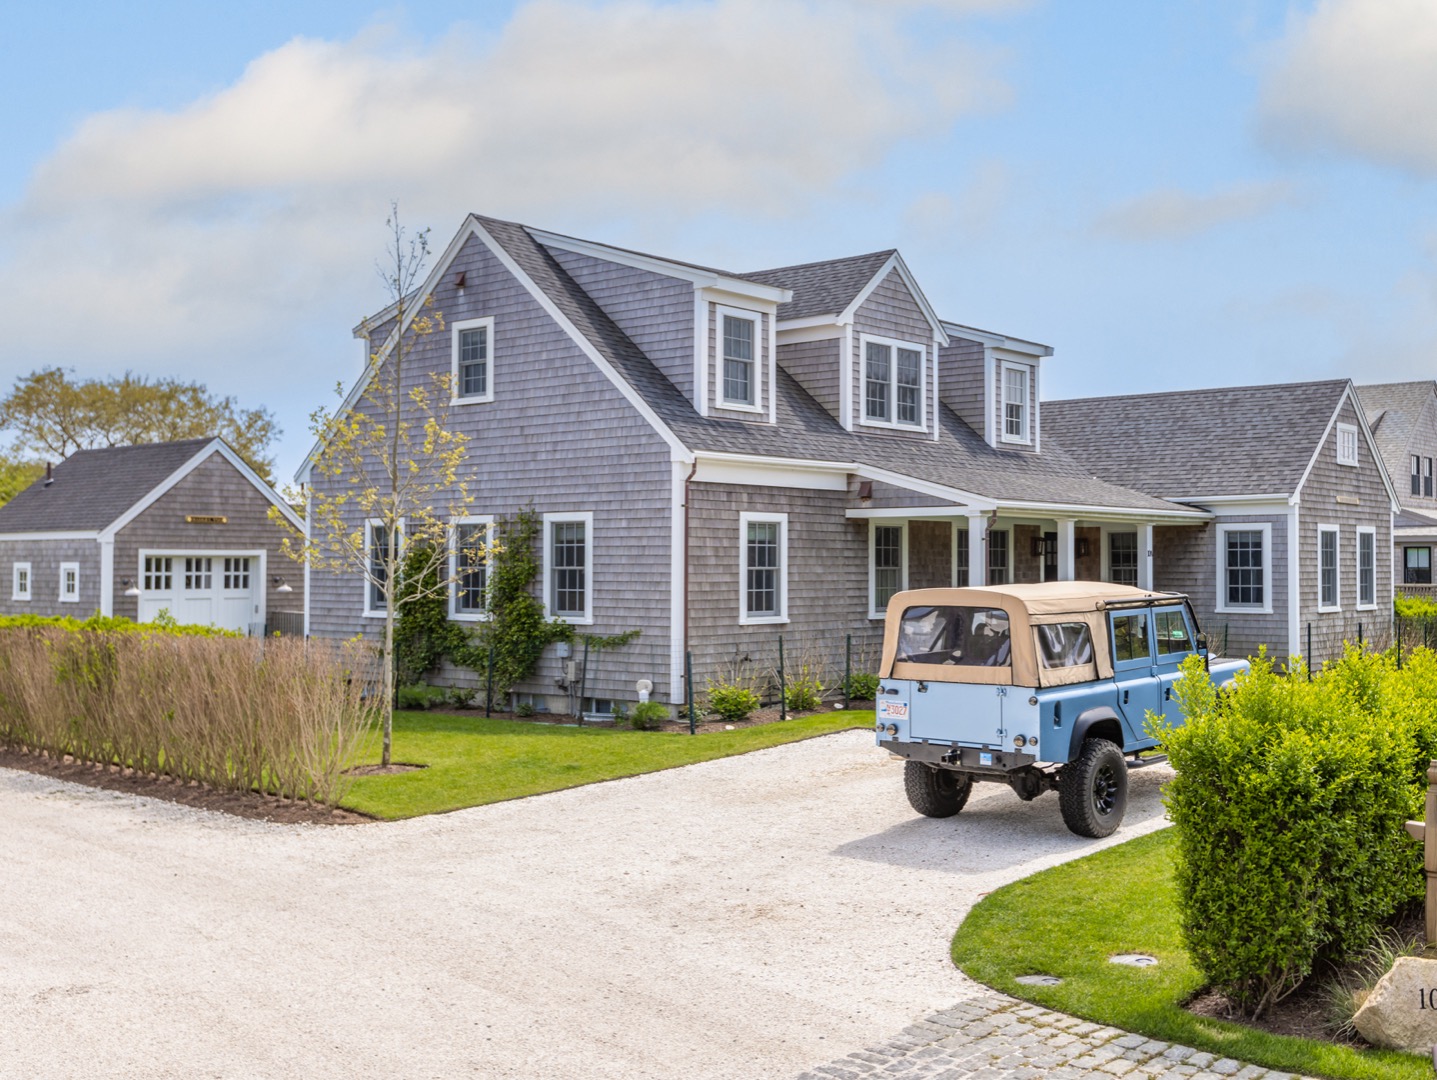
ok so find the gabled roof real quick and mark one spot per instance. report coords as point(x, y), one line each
point(1393, 410)
point(823, 288)
point(93, 490)
point(1229, 441)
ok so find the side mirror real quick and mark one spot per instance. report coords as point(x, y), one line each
point(1202, 642)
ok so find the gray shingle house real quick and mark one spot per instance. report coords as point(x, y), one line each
point(1403, 417)
point(1301, 507)
point(134, 530)
point(720, 458)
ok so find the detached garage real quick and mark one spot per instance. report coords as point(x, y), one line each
point(178, 527)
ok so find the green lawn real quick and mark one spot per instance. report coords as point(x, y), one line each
point(1069, 920)
point(472, 761)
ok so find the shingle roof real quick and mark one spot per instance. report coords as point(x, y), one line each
point(94, 487)
point(805, 430)
point(822, 288)
point(1246, 440)
point(1393, 410)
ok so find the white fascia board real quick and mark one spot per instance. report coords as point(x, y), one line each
point(910, 513)
point(1232, 501)
point(1105, 513)
point(1028, 349)
point(761, 473)
point(823, 332)
point(215, 446)
point(1005, 351)
point(85, 534)
point(895, 262)
point(656, 265)
point(810, 322)
point(720, 295)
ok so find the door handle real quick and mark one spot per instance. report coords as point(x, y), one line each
point(1125, 697)
point(1167, 693)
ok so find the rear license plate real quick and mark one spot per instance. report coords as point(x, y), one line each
point(893, 710)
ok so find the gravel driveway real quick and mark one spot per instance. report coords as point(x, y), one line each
point(744, 918)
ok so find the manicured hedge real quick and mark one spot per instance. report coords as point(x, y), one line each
point(1289, 802)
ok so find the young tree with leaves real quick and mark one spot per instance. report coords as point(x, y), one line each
point(390, 469)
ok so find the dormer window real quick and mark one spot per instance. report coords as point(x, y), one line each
point(892, 383)
point(1015, 404)
point(472, 366)
point(738, 344)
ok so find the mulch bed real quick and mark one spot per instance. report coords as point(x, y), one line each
point(246, 804)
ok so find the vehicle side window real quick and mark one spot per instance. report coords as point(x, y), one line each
point(1130, 637)
point(1062, 645)
point(1173, 636)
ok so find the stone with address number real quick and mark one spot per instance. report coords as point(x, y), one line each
point(1401, 1013)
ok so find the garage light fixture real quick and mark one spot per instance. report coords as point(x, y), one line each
point(131, 589)
point(280, 585)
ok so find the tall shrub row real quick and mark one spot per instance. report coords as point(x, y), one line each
point(277, 715)
point(1288, 802)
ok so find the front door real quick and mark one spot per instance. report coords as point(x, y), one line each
point(1050, 556)
point(1134, 673)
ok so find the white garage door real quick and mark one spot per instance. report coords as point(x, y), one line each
point(202, 589)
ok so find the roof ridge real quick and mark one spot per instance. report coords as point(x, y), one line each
point(885, 253)
point(1199, 390)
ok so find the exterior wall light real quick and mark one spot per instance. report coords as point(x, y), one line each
point(131, 589)
point(280, 585)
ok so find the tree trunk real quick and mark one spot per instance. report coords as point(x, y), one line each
point(388, 665)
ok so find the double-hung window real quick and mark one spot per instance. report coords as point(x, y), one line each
point(69, 583)
point(1016, 422)
point(1417, 566)
point(997, 556)
point(472, 361)
point(20, 581)
point(568, 573)
point(1329, 596)
point(892, 383)
point(1416, 475)
point(763, 568)
point(1123, 558)
point(1366, 567)
point(738, 340)
point(1427, 477)
point(960, 558)
point(1244, 571)
point(377, 558)
point(468, 567)
point(889, 565)
point(1347, 444)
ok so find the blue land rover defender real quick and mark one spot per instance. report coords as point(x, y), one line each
point(1041, 687)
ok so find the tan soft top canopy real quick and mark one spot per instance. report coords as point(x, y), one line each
point(1027, 606)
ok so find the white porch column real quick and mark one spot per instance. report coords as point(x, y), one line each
point(1145, 556)
point(1067, 561)
point(977, 549)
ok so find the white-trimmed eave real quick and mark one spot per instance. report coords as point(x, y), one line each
point(214, 446)
point(895, 262)
point(707, 279)
point(998, 341)
point(54, 534)
point(1350, 394)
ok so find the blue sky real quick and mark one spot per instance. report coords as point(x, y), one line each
point(1172, 195)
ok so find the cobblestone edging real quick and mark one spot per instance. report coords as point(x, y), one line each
point(994, 1037)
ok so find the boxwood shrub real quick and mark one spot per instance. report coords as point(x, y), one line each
point(1289, 801)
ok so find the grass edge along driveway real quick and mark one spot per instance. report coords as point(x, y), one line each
point(1067, 921)
point(474, 761)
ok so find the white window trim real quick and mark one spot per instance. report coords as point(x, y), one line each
point(455, 329)
point(1026, 439)
point(720, 401)
point(1222, 606)
point(744, 518)
point(1365, 530)
point(894, 344)
point(1336, 569)
point(15, 571)
point(487, 520)
point(550, 520)
point(72, 598)
point(1350, 431)
point(873, 611)
point(369, 523)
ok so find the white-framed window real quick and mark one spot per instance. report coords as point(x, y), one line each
point(740, 376)
point(1347, 444)
point(892, 382)
point(1329, 591)
point(762, 568)
point(1244, 567)
point(998, 561)
point(158, 575)
point(20, 581)
point(1123, 558)
point(1427, 477)
point(1417, 566)
point(469, 540)
point(960, 558)
point(199, 574)
point(1016, 422)
point(236, 574)
point(568, 566)
point(1366, 567)
point(472, 360)
point(887, 564)
point(376, 561)
point(69, 583)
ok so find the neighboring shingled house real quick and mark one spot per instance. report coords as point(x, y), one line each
point(722, 458)
point(1403, 418)
point(182, 527)
point(1302, 507)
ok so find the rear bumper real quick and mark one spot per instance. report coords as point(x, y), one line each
point(966, 758)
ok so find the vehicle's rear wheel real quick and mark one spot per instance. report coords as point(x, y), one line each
point(935, 792)
point(1093, 790)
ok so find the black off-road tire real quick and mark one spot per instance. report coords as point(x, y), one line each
point(935, 792)
point(1093, 790)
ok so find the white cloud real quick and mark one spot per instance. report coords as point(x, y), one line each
point(1358, 77)
point(1172, 213)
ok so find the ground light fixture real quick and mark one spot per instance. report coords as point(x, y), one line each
point(131, 589)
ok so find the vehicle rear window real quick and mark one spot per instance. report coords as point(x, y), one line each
point(965, 636)
point(1064, 645)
